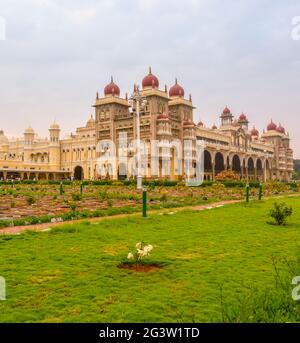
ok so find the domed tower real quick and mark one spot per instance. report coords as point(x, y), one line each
point(243, 121)
point(54, 147)
point(226, 117)
point(109, 110)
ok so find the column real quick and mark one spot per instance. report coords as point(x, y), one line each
point(213, 170)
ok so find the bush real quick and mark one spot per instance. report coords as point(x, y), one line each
point(30, 200)
point(76, 197)
point(280, 213)
point(72, 206)
point(226, 175)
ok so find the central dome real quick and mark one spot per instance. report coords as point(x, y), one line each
point(150, 80)
point(176, 90)
point(112, 89)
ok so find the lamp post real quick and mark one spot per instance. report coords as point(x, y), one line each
point(137, 102)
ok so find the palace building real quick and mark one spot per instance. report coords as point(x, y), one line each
point(166, 115)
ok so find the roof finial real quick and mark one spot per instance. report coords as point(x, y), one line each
point(126, 96)
point(111, 79)
point(175, 80)
point(97, 95)
point(150, 72)
point(166, 89)
point(190, 97)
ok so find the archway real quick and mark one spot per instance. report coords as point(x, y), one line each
point(78, 173)
point(236, 164)
point(207, 165)
point(219, 163)
point(250, 168)
point(259, 168)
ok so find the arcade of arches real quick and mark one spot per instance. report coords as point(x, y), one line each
point(247, 167)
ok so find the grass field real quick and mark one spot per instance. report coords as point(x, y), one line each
point(223, 264)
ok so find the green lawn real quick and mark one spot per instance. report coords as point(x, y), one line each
point(223, 264)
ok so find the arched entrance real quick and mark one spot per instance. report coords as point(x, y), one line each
point(236, 164)
point(219, 163)
point(250, 168)
point(78, 173)
point(259, 168)
point(207, 165)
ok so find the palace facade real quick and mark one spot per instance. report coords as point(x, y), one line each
point(166, 115)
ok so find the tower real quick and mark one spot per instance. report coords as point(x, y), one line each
point(226, 117)
point(28, 143)
point(54, 147)
point(243, 121)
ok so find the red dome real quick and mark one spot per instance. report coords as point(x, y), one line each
point(280, 129)
point(226, 110)
point(254, 132)
point(200, 123)
point(112, 89)
point(163, 116)
point(272, 126)
point(150, 80)
point(214, 127)
point(176, 90)
point(242, 117)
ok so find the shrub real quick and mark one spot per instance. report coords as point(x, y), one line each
point(280, 213)
point(72, 206)
point(76, 197)
point(30, 200)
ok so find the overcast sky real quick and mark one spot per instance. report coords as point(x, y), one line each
point(58, 53)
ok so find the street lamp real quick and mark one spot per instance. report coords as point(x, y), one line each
point(137, 103)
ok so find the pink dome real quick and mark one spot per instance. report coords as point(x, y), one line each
point(150, 80)
point(176, 90)
point(112, 88)
point(242, 117)
point(226, 110)
point(280, 129)
point(272, 126)
point(254, 132)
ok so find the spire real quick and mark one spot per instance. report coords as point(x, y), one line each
point(166, 89)
point(176, 81)
point(190, 98)
point(111, 79)
point(126, 96)
point(97, 95)
point(150, 72)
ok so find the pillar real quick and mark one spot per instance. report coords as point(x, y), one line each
point(213, 170)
